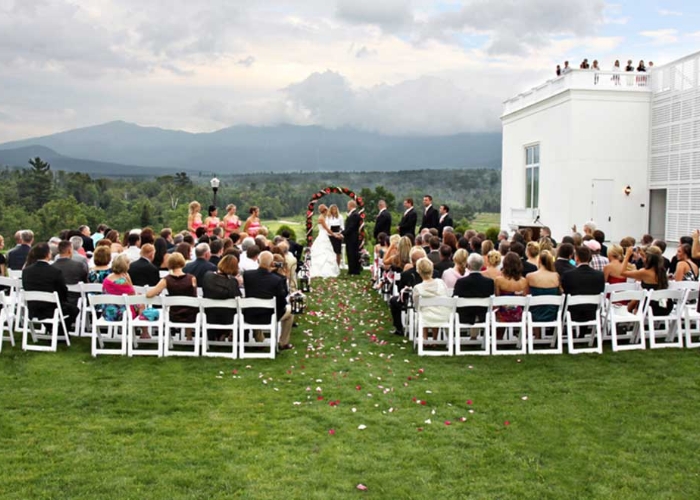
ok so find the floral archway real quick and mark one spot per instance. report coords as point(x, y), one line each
point(334, 190)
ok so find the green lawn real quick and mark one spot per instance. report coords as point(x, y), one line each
point(613, 426)
point(485, 220)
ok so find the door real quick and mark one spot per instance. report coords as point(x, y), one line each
point(601, 202)
point(657, 213)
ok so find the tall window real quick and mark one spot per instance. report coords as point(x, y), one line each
point(532, 176)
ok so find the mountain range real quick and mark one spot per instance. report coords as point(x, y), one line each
point(121, 148)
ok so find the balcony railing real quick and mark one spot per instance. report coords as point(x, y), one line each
point(580, 79)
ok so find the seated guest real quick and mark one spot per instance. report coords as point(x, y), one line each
point(78, 252)
point(118, 283)
point(178, 284)
point(221, 285)
point(201, 265)
point(459, 270)
point(382, 246)
point(504, 248)
point(532, 252)
point(392, 252)
point(167, 234)
point(475, 244)
point(564, 255)
point(249, 257)
point(445, 262)
point(449, 239)
point(102, 259)
point(409, 278)
point(217, 250)
point(133, 250)
point(486, 247)
point(73, 272)
point(41, 276)
point(545, 232)
point(686, 269)
point(147, 236)
point(430, 287)
point(160, 259)
point(493, 265)
point(88, 244)
point(295, 248)
point(583, 280)
point(473, 286)
point(613, 270)
point(598, 262)
point(652, 277)
point(511, 282)
point(18, 255)
point(599, 236)
point(290, 263)
point(544, 281)
point(184, 249)
point(263, 283)
point(113, 236)
point(662, 246)
point(142, 271)
point(434, 254)
point(519, 249)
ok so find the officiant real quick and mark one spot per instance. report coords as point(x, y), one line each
point(351, 236)
point(336, 224)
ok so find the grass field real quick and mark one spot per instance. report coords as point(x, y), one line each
point(619, 425)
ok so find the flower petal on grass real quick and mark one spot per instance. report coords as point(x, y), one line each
point(331, 432)
point(361, 487)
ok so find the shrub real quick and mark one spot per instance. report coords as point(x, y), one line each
point(284, 227)
point(492, 233)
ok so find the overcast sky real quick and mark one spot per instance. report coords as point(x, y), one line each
point(396, 67)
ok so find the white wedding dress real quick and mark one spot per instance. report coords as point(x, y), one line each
point(323, 258)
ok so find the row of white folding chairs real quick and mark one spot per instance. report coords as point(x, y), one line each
point(239, 334)
point(609, 315)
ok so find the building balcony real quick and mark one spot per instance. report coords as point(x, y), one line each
point(580, 79)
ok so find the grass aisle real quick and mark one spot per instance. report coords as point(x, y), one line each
point(350, 405)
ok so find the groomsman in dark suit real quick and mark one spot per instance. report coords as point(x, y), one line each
point(383, 224)
point(409, 219)
point(445, 220)
point(351, 236)
point(430, 215)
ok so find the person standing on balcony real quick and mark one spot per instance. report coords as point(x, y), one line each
point(595, 67)
point(558, 70)
point(616, 69)
point(584, 64)
point(566, 69)
point(630, 66)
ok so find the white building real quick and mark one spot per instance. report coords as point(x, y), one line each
point(621, 149)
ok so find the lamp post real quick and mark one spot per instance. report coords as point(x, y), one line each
point(214, 183)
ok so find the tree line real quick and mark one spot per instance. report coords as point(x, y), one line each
point(47, 201)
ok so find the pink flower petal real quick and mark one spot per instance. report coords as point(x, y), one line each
point(506, 423)
point(331, 432)
point(362, 487)
point(447, 422)
point(469, 402)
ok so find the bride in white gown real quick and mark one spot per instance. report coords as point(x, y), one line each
point(323, 260)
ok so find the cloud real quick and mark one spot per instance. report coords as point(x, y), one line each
point(664, 12)
point(247, 62)
point(390, 15)
point(661, 37)
point(364, 52)
point(424, 106)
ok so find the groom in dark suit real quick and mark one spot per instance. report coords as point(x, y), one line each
point(383, 224)
point(407, 225)
point(351, 236)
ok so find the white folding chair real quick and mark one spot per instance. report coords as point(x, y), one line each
point(231, 346)
point(163, 274)
point(16, 274)
point(56, 322)
point(691, 317)
point(13, 285)
point(671, 331)
point(87, 289)
point(595, 325)
point(76, 328)
point(509, 337)
point(445, 327)
point(153, 328)
point(478, 332)
point(181, 328)
point(116, 331)
point(610, 288)
point(553, 341)
point(6, 321)
point(633, 321)
point(244, 328)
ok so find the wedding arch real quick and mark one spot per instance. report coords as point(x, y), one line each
point(334, 190)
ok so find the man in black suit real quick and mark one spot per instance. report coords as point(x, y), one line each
point(262, 283)
point(445, 220)
point(351, 237)
point(88, 244)
point(473, 286)
point(200, 265)
point(43, 277)
point(294, 248)
point(430, 215)
point(408, 222)
point(410, 278)
point(383, 224)
point(565, 253)
point(217, 249)
point(73, 271)
point(434, 253)
point(584, 280)
point(445, 261)
point(142, 271)
point(18, 255)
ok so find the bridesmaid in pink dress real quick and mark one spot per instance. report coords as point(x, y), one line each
point(212, 222)
point(232, 223)
point(252, 225)
point(194, 220)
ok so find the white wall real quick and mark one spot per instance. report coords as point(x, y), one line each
point(583, 135)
